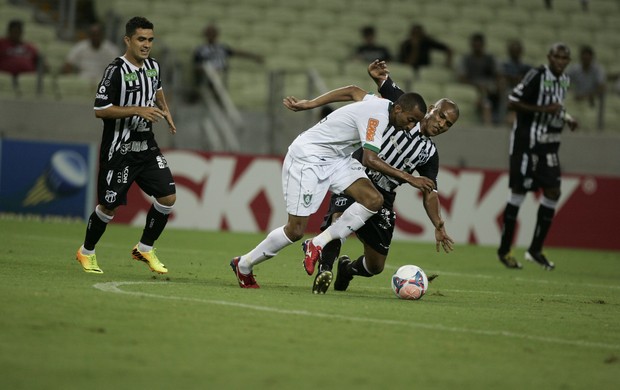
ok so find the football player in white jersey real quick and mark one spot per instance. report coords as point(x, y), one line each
point(319, 160)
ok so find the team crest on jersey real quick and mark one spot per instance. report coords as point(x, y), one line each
point(110, 196)
point(307, 200)
point(341, 201)
point(423, 155)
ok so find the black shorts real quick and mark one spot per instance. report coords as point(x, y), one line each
point(530, 170)
point(377, 232)
point(153, 177)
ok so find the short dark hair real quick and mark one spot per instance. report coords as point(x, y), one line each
point(368, 30)
point(135, 23)
point(408, 101)
point(15, 23)
point(477, 37)
point(587, 49)
point(557, 46)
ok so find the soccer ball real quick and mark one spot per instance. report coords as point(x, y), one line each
point(409, 282)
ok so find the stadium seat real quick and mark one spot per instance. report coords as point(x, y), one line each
point(430, 91)
point(7, 89)
point(402, 73)
point(604, 7)
point(446, 12)
point(436, 74)
point(466, 97)
point(503, 31)
point(515, 16)
point(555, 20)
point(586, 21)
point(477, 15)
point(31, 85)
point(539, 33)
point(73, 87)
point(326, 67)
point(575, 38)
point(318, 18)
point(280, 17)
point(55, 54)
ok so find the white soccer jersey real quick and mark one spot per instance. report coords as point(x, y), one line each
point(343, 131)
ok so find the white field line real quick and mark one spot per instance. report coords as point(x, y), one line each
point(483, 276)
point(387, 266)
point(114, 287)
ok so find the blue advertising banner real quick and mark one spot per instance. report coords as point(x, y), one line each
point(46, 178)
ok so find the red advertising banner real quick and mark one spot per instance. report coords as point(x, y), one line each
point(244, 193)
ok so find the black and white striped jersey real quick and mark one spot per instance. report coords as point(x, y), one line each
point(405, 150)
point(130, 140)
point(539, 87)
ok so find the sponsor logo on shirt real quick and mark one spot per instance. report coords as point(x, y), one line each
point(130, 76)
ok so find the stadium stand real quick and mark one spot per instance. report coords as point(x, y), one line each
point(295, 35)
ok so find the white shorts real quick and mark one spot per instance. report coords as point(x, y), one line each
point(305, 185)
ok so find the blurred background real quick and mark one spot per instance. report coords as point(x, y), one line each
point(275, 48)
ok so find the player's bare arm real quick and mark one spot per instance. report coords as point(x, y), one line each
point(151, 114)
point(378, 71)
point(342, 94)
point(160, 101)
point(371, 159)
point(433, 211)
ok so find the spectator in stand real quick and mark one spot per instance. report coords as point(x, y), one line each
point(216, 54)
point(91, 56)
point(479, 69)
point(17, 56)
point(369, 50)
point(416, 49)
point(587, 77)
point(512, 70)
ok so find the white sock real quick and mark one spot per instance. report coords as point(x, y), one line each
point(352, 219)
point(85, 251)
point(266, 249)
point(144, 248)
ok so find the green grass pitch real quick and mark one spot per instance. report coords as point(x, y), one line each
point(480, 326)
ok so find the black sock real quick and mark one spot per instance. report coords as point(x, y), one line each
point(543, 223)
point(94, 230)
point(330, 254)
point(155, 224)
point(357, 268)
point(508, 228)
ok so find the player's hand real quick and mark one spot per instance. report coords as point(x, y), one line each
point(444, 240)
point(171, 127)
point(378, 70)
point(294, 104)
point(151, 114)
point(571, 122)
point(422, 183)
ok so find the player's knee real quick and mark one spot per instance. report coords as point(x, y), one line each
point(169, 200)
point(375, 269)
point(373, 201)
point(294, 232)
point(552, 193)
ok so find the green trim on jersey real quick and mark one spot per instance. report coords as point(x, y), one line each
point(371, 148)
